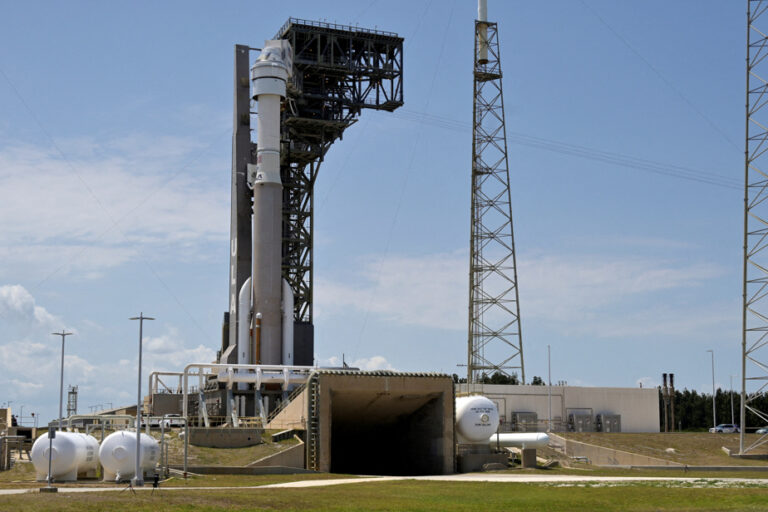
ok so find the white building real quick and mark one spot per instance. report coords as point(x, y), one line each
point(638, 408)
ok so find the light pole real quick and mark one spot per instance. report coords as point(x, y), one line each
point(731, 393)
point(63, 335)
point(138, 480)
point(549, 386)
point(21, 416)
point(714, 416)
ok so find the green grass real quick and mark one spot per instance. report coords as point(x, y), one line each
point(411, 496)
point(691, 448)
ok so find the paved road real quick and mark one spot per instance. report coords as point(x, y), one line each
point(468, 477)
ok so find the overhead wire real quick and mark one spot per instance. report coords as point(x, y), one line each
point(95, 198)
point(551, 145)
point(659, 74)
point(409, 167)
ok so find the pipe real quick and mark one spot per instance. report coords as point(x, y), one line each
point(102, 418)
point(257, 339)
point(244, 326)
point(482, 32)
point(162, 441)
point(520, 440)
point(285, 378)
point(287, 324)
point(246, 367)
point(268, 77)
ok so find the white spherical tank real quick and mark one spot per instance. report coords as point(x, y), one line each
point(118, 455)
point(72, 454)
point(477, 419)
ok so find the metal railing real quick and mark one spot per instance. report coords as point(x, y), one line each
point(333, 26)
point(296, 392)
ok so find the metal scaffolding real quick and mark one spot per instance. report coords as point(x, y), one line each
point(754, 355)
point(71, 401)
point(337, 72)
point(495, 342)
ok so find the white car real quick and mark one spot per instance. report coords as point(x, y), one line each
point(725, 428)
point(172, 420)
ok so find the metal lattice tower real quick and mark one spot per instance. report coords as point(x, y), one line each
point(71, 401)
point(754, 356)
point(495, 342)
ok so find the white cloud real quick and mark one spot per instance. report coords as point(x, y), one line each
point(646, 382)
point(17, 304)
point(363, 363)
point(573, 294)
point(170, 353)
point(92, 210)
point(372, 363)
point(428, 291)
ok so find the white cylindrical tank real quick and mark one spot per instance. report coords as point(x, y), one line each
point(520, 440)
point(72, 454)
point(118, 455)
point(477, 418)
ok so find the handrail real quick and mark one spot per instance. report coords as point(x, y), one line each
point(296, 392)
point(334, 26)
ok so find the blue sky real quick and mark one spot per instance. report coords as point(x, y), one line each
point(115, 126)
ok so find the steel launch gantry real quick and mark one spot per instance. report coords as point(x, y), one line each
point(495, 341)
point(754, 341)
point(337, 72)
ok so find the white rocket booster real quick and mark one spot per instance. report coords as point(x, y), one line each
point(268, 78)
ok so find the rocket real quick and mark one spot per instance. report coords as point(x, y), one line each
point(266, 300)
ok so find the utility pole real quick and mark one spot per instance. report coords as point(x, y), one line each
point(138, 479)
point(549, 385)
point(714, 415)
point(63, 335)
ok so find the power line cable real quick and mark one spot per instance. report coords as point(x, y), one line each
point(584, 152)
point(95, 197)
point(658, 73)
point(408, 169)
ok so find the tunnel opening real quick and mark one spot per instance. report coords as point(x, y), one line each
point(382, 423)
point(386, 434)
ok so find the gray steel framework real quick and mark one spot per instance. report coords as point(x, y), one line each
point(754, 354)
point(338, 71)
point(71, 401)
point(495, 340)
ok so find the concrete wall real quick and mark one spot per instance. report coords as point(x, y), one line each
point(638, 407)
point(5, 418)
point(293, 416)
point(603, 456)
point(291, 457)
point(166, 403)
point(225, 437)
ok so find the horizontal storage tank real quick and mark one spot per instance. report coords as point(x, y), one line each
point(72, 455)
point(477, 419)
point(526, 440)
point(118, 456)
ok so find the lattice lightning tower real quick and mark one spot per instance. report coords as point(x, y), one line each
point(754, 356)
point(495, 342)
